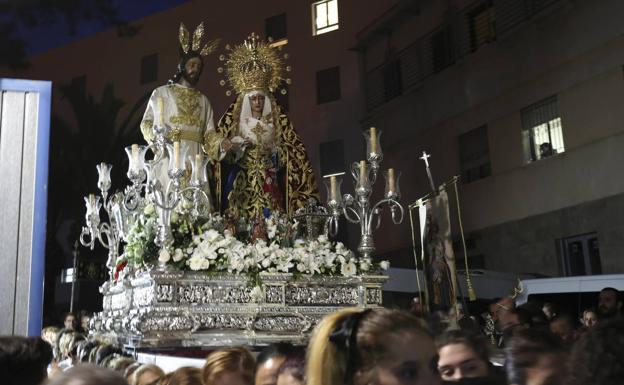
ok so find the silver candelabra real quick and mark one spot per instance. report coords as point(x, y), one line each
point(158, 181)
point(359, 209)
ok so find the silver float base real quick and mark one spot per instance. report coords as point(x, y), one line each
point(185, 309)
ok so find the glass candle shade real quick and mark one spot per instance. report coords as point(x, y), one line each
point(361, 172)
point(333, 185)
point(392, 184)
point(104, 179)
point(373, 144)
point(177, 156)
point(199, 175)
point(94, 205)
point(136, 158)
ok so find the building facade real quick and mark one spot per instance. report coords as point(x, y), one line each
point(522, 100)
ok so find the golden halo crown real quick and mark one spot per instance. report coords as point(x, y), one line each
point(253, 65)
point(188, 45)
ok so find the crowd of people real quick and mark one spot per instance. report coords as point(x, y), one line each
point(531, 344)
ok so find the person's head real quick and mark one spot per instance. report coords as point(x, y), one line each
point(24, 360)
point(590, 317)
point(549, 310)
point(69, 321)
point(190, 68)
point(381, 346)
point(104, 351)
point(292, 371)
point(609, 302)
point(514, 319)
point(183, 376)
point(229, 366)
point(68, 344)
point(534, 357)
point(147, 374)
point(88, 375)
point(129, 371)
point(50, 335)
point(597, 357)
point(462, 355)
point(256, 101)
point(564, 326)
point(120, 363)
point(85, 350)
point(268, 363)
point(85, 317)
point(501, 306)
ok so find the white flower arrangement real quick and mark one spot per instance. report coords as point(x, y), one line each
point(209, 247)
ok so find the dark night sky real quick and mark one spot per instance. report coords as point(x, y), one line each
point(44, 37)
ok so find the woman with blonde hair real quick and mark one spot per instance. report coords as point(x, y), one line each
point(147, 374)
point(381, 346)
point(183, 376)
point(230, 366)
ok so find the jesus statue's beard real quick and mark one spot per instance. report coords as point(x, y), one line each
point(191, 79)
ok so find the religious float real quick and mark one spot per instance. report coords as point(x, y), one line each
point(185, 271)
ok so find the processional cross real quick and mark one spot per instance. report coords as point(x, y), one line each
point(426, 157)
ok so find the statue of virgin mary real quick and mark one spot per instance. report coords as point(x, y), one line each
point(266, 168)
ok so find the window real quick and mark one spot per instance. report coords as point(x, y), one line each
point(332, 157)
point(481, 25)
point(328, 85)
point(324, 16)
point(393, 85)
point(441, 49)
point(275, 27)
point(474, 155)
point(542, 130)
point(581, 255)
point(149, 68)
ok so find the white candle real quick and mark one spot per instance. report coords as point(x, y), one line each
point(391, 187)
point(176, 154)
point(160, 110)
point(333, 187)
point(135, 156)
point(198, 167)
point(362, 173)
point(373, 140)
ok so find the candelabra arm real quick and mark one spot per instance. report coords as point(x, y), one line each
point(348, 209)
point(90, 233)
point(333, 225)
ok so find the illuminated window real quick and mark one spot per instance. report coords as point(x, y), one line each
point(325, 16)
point(543, 133)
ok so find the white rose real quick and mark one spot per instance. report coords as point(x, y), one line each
point(348, 269)
point(177, 255)
point(164, 256)
point(301, 267)
point(149, 209)
point(385, 265)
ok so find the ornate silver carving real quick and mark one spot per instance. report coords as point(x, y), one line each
point(164, 309)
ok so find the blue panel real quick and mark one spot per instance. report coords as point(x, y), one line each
point(44, 89)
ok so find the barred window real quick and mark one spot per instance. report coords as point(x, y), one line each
point(481, 25)
point(324, 16)
point(542, 130)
